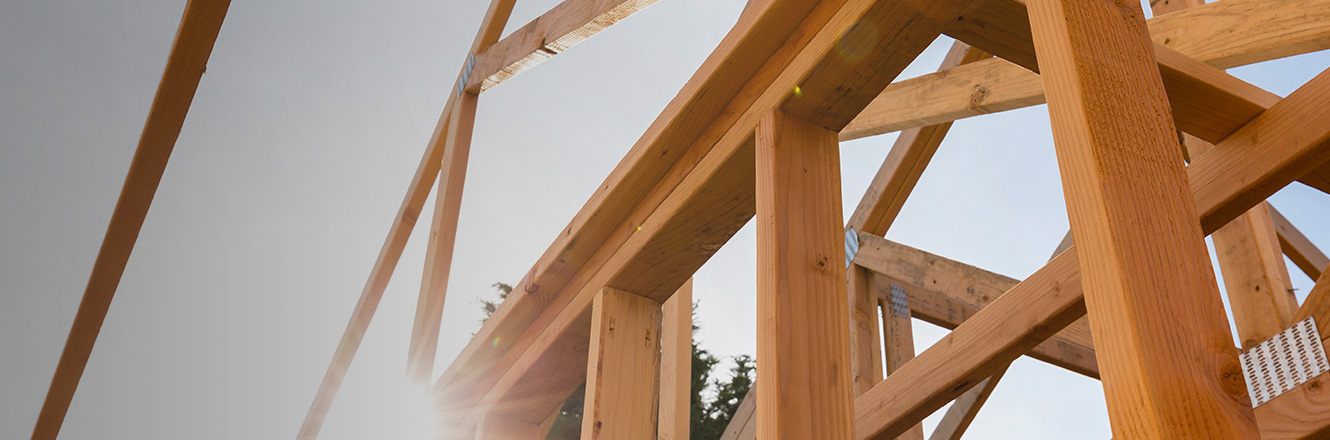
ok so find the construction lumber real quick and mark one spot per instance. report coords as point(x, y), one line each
point(1298, 248)
point(194, 39)
point(555, 31)
point(1162, 358)
point(803, 339)
point(947, 293)
point(676, 365)
point(1255, 278)
point(1222, 34)
point(743, 425)
point(1317, 305)
point(1299, 414)
point(497, 427)
point(621, 388)
point(962, 412)
point(1050, 299)
point(865, 339)
point(903, 166)
point(679, 229)
point(417, 192)
point(898, 334)
point(443, 235)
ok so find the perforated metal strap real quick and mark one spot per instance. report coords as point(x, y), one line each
point(466, 74)
point(899, 305)
point(851, 246)
point(1282, 363)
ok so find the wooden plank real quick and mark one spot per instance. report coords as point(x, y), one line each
point(1317, 305)
point(1051, 299)
point(743, 425)
point(1244, 32)
point(1302, 413)
point(804, 388)
point(625, 354)
point(675, 228)
point(676, 365)
point(543, 431)
point(1298, 248)
point(898, 335)
point(555, 31)
point(199, 25)
point(865, 341)
point(1162, 358)
point(497, 427)
point(1255, 277)
point(963, 411)
point(903, 166)
point(417, 192)
point(946, 293)
point(443, 235)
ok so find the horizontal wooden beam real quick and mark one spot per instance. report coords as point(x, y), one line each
point(680, 218)
point(946, 293)
point(1228, 180)
point(1221, 34)
point(199, 26)
point(555, 31)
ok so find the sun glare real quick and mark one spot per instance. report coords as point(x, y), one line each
point(414, 414)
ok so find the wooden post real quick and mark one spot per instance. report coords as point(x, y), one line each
point(443, 234)
point(866, 342)
point(897, 334)
point(1257, 281)
point(1168, 364)
point(958, 417)
point(803, 332)
point(622, 366)
point(676, 365)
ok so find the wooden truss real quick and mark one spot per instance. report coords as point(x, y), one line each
point(1157, 147)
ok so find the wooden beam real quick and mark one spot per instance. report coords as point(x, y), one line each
point(743, 425)
point(1222, 34)
point(199, 26)
point(443, 235)
point(804, 388)
point(947, 293)
point(1255, 277)
point(903, 166)
point(1317, 305)
point(865, 341)
point(898, 334)
point(962, 412)
point(1299, 414)
point(417, 192)
point(680, 218)
point(621, 393)
point(676, 365)
point(1298, 248)
point(1050, 299)
point(497, 427)
point(555, 31)
point(1162, 358)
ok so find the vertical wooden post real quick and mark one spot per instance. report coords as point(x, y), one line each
point(1255, 276)
point(443, 234)
point(803, 332)
point(1167, 361)
point(676, 365)
point(866, 342)
point(624, 359)
point(897, 334)
point(497, 427)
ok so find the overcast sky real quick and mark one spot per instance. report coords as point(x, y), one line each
point(294, 159)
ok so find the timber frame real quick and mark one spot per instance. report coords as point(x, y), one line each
point(754, 134)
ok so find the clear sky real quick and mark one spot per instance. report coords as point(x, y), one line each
point(297, 151)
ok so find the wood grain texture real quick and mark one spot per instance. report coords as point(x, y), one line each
point(865, 339)
point(555, 31)
point(1051, 299)
point(1317, 305)
point(963, 411)
point(621, 382)
point(188, 59)
point(1167, 362)
point(743, 425)
point(997, 85)
point(804, 388)
point(897, 336)
point(670, 231)
point(676, 365)
point(1255, 278)
point(443, 235)
point(1297, 247)
point(1303, 413)
point(417, 192)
